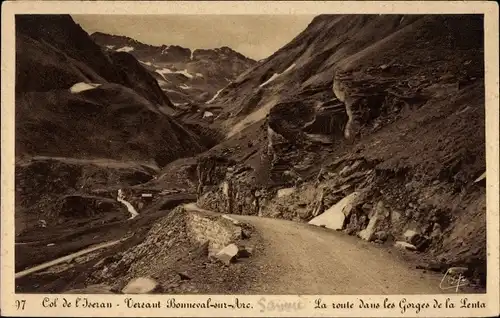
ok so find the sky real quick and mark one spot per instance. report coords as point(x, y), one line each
point(255, 36)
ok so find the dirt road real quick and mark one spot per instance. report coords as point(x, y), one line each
point(304, 259)
point(298, 258)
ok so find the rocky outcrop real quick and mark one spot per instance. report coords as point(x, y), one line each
point(140, 80)
point(179, 253)
point(400, 102)
point(228, 254)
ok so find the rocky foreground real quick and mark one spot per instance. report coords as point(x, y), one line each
point(368, 127)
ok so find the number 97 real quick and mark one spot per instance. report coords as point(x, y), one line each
point(20, 304)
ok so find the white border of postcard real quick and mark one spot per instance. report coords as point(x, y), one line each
point(27, 305)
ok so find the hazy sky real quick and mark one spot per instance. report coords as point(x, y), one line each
point(256, 36)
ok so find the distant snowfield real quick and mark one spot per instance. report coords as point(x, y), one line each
point(276, 75)
point(80, 87)
point(165, 70)
point(125, 49)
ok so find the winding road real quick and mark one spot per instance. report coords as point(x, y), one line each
point(298, 258)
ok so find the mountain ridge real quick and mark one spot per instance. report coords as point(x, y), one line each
point(100, 36)
point(186, 75)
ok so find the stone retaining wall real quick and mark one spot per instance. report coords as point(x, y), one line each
point(219, 232)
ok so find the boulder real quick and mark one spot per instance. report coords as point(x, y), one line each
point(334, 217)
point(246, 251)
point(140, 285)
point(285, 192)
point(395, 217)
point(414, 238)
point(421, 242)
point(228, 254)
point(380, 213)
point(381, 236)
point(410, 236)
point(405, 245)
point(436, 232)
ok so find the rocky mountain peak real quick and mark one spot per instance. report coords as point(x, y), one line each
point(185, 75)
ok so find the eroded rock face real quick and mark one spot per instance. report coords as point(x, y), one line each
point(398, 120)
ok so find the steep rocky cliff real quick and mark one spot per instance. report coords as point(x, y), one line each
point(388, 106)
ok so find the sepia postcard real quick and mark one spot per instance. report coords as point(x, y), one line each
point(250, 159)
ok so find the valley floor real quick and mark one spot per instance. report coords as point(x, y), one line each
point(290, 258)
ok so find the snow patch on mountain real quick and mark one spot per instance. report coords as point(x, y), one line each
point(185, 73)
point(146, 63)
point(276, 75)
point(207, 114)
point(180, 104)
point(184, 86)
point(125, 49)
point(110, 47)
point(215, 96)
point(169, 71)
point(80, 87)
